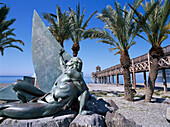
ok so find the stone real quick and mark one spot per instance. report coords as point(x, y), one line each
point(97, 106)
point(118, 120)
point(168, 114)
point(153, 100)
point(112, 104)
point(110, 94)
point(45, 48)
point(166, 101)
point(94, 120)
point(61, 119)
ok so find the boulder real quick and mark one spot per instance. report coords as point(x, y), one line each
point(117, 120)
point(61, 119)
point(94, 120)
point(98, 106)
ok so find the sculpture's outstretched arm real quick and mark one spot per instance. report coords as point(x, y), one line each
point(62, 61)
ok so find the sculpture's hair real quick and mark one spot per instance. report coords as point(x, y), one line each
point(79, 61)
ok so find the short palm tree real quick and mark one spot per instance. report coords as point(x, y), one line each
point(157, 28)
point(123, 27)
point(6, 41)
point(78, 27)
point(60, 25)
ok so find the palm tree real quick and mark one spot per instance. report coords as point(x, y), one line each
point(123, 27)
point(157, 28)
point(60, 25)
point(6, 40)
point(78, 27)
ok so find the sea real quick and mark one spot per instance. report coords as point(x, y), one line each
point(11, 79)
point(139, 79)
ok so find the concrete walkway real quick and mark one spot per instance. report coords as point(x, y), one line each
point(113, 87)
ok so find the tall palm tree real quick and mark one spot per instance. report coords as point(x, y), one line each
point(123, 27)
point(78, 27)
point(157, 28)
point(60, 25)
point(6, 41)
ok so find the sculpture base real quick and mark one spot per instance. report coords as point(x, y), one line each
point(105, 115)
point(62, 119)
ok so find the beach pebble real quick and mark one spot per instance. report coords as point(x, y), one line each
point(166, 101)
point(113, 104)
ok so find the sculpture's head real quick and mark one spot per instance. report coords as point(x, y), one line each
point(75, 63)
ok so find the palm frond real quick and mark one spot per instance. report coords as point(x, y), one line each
point(153, 23)
point(118, 52)
point(98, 33)
point(60, 25)
point(14, 46)
point(6, 32)
point(85, 24)
point(162, 39)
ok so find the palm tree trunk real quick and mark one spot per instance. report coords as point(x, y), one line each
point(125, 63)
point(156, 52)
point(75, 49)
point(151, 79)
point(127, 85)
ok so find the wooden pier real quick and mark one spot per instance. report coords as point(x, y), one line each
point(139, 64)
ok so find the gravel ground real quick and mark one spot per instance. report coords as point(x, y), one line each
point(145, 114)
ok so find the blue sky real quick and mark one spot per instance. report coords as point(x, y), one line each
point(92, 54)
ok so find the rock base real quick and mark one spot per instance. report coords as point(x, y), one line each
point(93, 120)
point(62, 119)
point(104, 115)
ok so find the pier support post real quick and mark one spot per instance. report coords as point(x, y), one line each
point(100, 80)
point(95, 80)
point(164, 80)
point(144, 75)
point(112, 79)
point(92, 78)
point(106, 79)
point(168, 58)
point(109, 80)
point(117, 79)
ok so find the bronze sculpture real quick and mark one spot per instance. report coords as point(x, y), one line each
point(69, 85)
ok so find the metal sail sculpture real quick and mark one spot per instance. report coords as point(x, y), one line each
point(45, 54)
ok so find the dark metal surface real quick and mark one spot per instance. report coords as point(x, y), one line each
point(7, 93)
